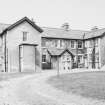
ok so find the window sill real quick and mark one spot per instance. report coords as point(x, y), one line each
point(80, 48)
point(44, 62)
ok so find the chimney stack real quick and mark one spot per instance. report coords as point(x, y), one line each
point(65, 26)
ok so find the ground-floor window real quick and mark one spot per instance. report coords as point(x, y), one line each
point(96, 65)
point(80, 58)
point(43, 58)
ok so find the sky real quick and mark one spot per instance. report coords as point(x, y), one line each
point(80, 14)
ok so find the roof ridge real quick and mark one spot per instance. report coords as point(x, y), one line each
point(63, 29)
point(51, 27)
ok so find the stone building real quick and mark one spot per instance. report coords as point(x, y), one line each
point(24, 46)
point(83, 49)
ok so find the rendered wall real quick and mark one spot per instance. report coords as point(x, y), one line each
point(15, 38)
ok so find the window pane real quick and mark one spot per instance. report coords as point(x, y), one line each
point(96, 42)
point(43, 58)
point(25, 36)
point(43, 43)
point(72, 44)
point(79, 44)
point(91, 43)
point(80, 59)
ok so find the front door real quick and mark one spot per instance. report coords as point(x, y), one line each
point(27, 58)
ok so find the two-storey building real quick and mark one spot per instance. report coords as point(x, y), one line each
point(85, 48)
point(24, 46)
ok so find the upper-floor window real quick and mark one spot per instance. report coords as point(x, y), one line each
point(62, 43)
point(72, 44)
point(25, 36)
point(91, 43)
point(56, 43)
point(96, 42)
point(80, 44)
point(68, 43)
point(43, 43)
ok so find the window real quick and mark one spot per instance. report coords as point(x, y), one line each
point(80, 59)
point(43, 43)
point(90, 57)
point(72, 44)
point(53, 43)
point(96, 42)
point(91, 43)
point(80, 44)
point(43, 58)
point(68, 59)
point(25, 36)
point(63, 57)
point(62, 43)
point(68, 43)
point(56, 43)
point(97, 57)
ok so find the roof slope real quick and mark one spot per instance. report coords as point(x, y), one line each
point(7, 27)
point(55, 52)
point(58, 52)
point(56, 32)
point(21, 21)
point(61, 33)
point(94, 33)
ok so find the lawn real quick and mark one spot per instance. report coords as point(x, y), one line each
point(87, 84)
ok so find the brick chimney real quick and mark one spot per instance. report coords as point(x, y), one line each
point(65, 26)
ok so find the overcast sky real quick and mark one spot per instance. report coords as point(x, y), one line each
point(80, 14)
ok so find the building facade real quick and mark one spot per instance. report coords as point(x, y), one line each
point(24, 46)
point(86, 47)
point(21, 47)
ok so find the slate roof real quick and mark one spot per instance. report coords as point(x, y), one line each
point(58, 52)
point(95, 33)
point(57, 32)
point(71, 34)
point(55, 52)
point(61, 33)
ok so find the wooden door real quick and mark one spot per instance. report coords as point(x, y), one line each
point(27, 58)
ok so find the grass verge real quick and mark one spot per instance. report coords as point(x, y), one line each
point(87, 84)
